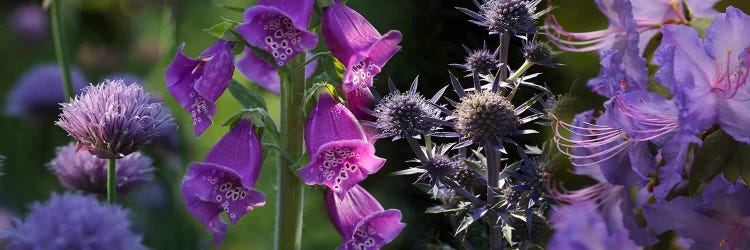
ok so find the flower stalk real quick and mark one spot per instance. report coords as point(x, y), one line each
point(111, 181)
point(525, 66)
point(61, 50)
point(291, 189)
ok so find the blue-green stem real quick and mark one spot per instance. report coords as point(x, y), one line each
point(61, 50)
point(291, 190)
point(526, 65)
point(111, 181)
point(493, 157)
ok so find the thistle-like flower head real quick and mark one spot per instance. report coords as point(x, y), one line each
point(80, 170)
point(514, 16)
point(74, 221)
point(406, 114)
point(481, 61)
point(538, 52)
point(112, 119)
point(484, 115)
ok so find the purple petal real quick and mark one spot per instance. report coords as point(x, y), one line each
point(702, 8)
point(181, 76)
point(258, 70)
point(610, 80)
point(218, 67)
point(734, 119)
point(298, 10)
point(360, 219)
point(584, 166)
point(580, 226)
point(629, 208)
point(678, 215)
point(240, 150)
point(341, 165)
point(273, 30)
point(675, 153)
point(330, 121)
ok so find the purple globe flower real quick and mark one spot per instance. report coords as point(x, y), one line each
point(340, 155)
point(197, 83)
point(26, 101)
point(30, 22)
point(279, 27)
point(73, 221)
point(225, 180)
point(80, 170)
point(361, 220)
point(112, 119)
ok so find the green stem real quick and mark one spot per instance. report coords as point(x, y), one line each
point(58, 35)
point(526, 65)
point(111, 181)
point(291, 190)
point(504, 49)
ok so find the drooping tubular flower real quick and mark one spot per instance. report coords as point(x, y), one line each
point(80, 170)
point(340, 155)
point(645, 17)
point(362, 50)
point(361, 220)
point(197, 83)
point(112, 119)
point(280, 28)
point(225, 180)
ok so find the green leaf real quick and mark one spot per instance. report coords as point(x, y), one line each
point(470, 218)
point(232, 8)
point(220, 31)
point(700, 25)
point(311, 95)
point(260, 119)
point(333, 68)
point(245, 96)
point(720, 153)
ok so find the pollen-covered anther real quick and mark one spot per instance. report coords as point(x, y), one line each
point(484, 116)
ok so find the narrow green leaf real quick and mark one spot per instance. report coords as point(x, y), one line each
point(245, 96)
point(220, 31)
point(232, 8)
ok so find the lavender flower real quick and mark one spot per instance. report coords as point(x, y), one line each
point(80, 170)
point(279, 28)
point(225, 180)
point(362, 50)
point(717, 219)
point(197, 83)
point(74, 221)
point(26, 101)
point(340, 155)
point(361, 220)
point(112, 120)
point(30, 22)
point(499, 16)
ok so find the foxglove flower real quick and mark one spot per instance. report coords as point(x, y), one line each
point(718, 219)
point(225, 180)
point(74, 221)
point(340, 155)
point(259, 71)
point(361, 220)
point(581, 227)
point(709, 77)
point(26, 101)
point(80, 170)
point(197, 83)
point(112, 119)
point(362, 50)
point(279, 28)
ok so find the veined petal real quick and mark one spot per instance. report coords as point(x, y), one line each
point(273, 30)
point(218, 67)
point(361, 221)
point(330, 121)
point(258, 70)
point(675, 153)
point(341, 165)
point(734, 119)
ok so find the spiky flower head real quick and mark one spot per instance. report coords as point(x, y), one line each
point(484, 115)
point(80, 170)
point(514, 16)
point(406, 114)
point(113, 119)
point(73, 221)
point(538, 52)
point(481, 61)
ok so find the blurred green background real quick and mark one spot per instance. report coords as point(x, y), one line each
point(139, 37)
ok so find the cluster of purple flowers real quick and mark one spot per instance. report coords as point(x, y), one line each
point(644, 144)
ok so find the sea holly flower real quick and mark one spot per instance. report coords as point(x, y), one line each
point(362, 50)
point(73, 221)
point(112, 119)
point(197, 83)
point(80, 170)
point(709, 77)
point(645, 17)
point(26, 101)
point(481, 61)
point(225, 180)
point(717, 219)
point(340, 155)
point(406, 114)
point(514, 16)
point(279, 27)
point(361, 220)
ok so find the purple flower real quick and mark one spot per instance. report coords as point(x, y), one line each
point(709, 77)
point(617, 76)
point(362, 50)
point(26, 101)
point(30, 22)
point(73, 221)
point(718, 219)
point(267, 77)
point(581, 227)
point(80, 170)
point(112, 119)
point(280, 28)
point(197, 83)
point(360, 220)
point(340, 155)
point(225, 180)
